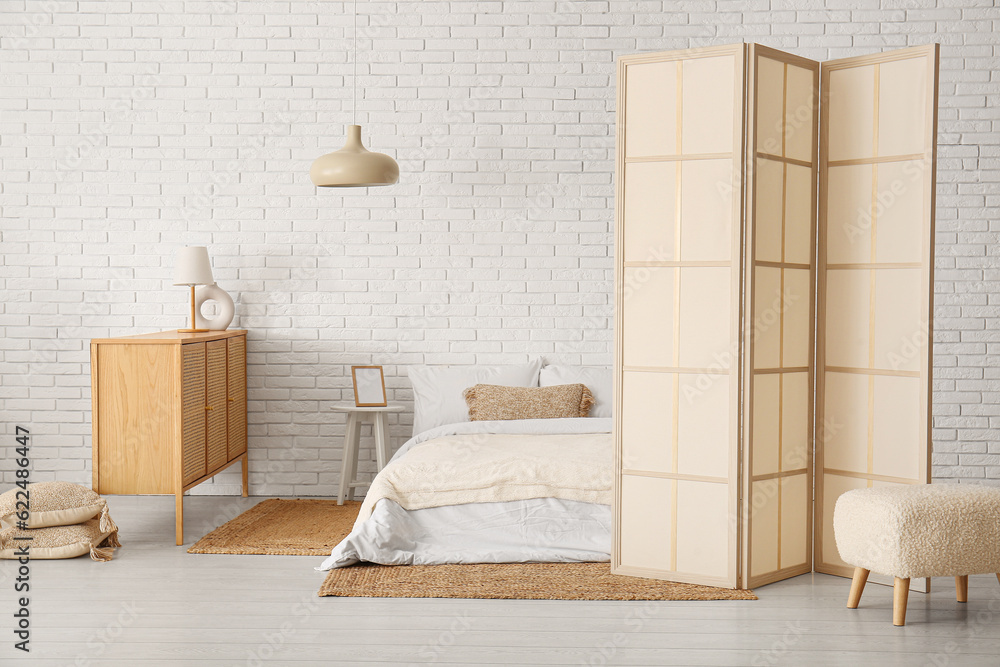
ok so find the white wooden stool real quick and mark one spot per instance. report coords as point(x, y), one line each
point(356, 416)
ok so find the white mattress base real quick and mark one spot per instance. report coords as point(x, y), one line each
point(537, 530)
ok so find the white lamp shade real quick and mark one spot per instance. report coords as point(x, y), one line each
point(353, 165)
point(192, 266)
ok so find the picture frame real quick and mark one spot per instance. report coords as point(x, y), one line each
point(369, 386)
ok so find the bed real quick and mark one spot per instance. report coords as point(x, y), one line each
point(531, 490)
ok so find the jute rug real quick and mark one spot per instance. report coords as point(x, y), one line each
point(314, 527)
point(512, 581)
point(277, 527)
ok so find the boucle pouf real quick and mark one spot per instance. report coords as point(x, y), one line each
point(913, 531)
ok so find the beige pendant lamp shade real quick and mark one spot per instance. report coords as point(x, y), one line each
point(353, 165)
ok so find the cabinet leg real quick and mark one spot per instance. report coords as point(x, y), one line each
point(246, 487)
point(179, 516)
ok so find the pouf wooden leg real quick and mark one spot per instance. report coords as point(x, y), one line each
point(858, 587)
point(962, 588)
point(998, 576)
point(900, 591)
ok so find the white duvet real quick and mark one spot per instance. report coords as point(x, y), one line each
point(475, 492)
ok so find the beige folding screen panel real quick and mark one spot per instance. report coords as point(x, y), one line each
point(876, 279)
point(716, 266)
point(782, 100)
point(678, 330)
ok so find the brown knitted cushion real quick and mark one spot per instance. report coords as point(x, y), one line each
point(489, 402)
point(54, 504)
point(60, 542)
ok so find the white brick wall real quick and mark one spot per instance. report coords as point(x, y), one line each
point(130, 128)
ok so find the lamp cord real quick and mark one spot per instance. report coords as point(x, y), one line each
point(354, 110)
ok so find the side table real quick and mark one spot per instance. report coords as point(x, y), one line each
point(352, 440)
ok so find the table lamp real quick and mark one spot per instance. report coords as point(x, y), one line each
point(193, 268)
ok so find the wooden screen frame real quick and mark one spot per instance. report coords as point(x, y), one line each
point(732, 578)
point(932, 54)
point(753, 153)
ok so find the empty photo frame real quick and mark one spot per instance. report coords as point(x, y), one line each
point(369, 386)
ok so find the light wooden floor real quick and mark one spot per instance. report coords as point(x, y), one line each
point(156, 604)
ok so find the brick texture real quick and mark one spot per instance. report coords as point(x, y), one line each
point(131, 128)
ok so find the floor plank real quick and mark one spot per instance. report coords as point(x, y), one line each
point(155, 604)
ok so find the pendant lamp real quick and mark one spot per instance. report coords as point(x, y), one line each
point(354, 165)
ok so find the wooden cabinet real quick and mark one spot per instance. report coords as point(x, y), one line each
point(169, 412)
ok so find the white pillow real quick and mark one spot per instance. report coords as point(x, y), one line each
point(598, 379)
point(437, 390)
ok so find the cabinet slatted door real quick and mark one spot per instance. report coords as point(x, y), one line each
point(193, 411)
point(783, 99)
point(876, 261)
point(237, 396)
point(677, 245)
point(216, 404)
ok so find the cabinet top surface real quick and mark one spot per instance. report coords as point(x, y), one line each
point(170, 337)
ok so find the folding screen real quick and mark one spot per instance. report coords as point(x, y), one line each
point(716, 338)
point(876, 279)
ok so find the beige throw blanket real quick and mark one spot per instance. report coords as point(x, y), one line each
point(486, 468)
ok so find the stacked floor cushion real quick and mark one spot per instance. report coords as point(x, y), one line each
point(56, 520)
